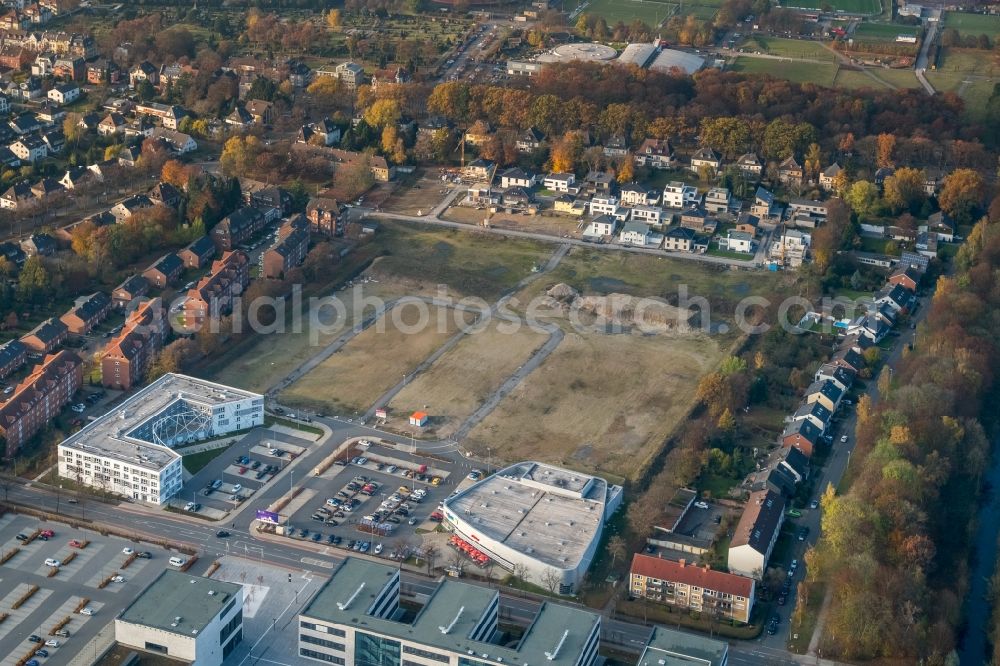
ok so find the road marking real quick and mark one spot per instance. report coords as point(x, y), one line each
point(317, 563)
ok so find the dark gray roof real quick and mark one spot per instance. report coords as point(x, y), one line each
point(49, 330)
point(202, 246)
point(10, 351)
point(168, 264)
point(803, 428)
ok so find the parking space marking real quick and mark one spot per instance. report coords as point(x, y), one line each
point(18, 615)
point(312, 561)
point(6, 520)
point(42, 630)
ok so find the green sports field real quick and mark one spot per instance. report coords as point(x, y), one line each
point(799, 72)
point(651, 12)
point(789, 48)
point(859, 7)
point(884, 32)
point(973, 24)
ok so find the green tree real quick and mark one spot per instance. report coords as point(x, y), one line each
point(383, 112)
point(34, 282)
point(262, 88)
point(862, 197)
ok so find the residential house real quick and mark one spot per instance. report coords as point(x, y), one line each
point(102, 72)
point(802, 435)
point(516, 177)
point(4, 105)
point(683, 239)
point(905, 276)
point(826, 393)
point(14, 57)
point(134, 287)
point(828, 177)
point(707, 158)
point(479, 133)
point(763, 205)
point(638, 234)
point(240, 118)
point(747, 223)
point(479, 169)
point(179, 142)
point(559, 182)
point(126, 208)
point(42, 64)
point(516, 197)
point(165, 194)
point(45, 337)
point(38, 398)
point(47, 187)
point(814, 412)
point(8, 159)
point(791, 249)
point(129, 156)
point(262, 111)
point(324, 133)
point(933, 180)
point(198, 253)
point(695, 218)
point(432, 124)
point(599, 183)
point(790, 172)
point(615, 146)
point(30, 148)
point(237, 228)
point(530, 140)
point(54, 140)
point(648, 214)
point(782, 472)
point(70, 68)
point(896, 296)
point(86, 313)
point(24, 123)
point(12, 252)
point(287, 253)
point(693, 588)
point(849, 359)
point(13, 355)
point(216, 293)
point(870, 326)
point(755, 535)
point(113, 123)
point(164, 271)
point(840, 376)
point(679, 195)
point(169, 115)
point(717, 200)
point(272, 198)
point(604, 205)
point(79, 176)
point(637, 195)
point(567, 204)
point(126, 358)
point(655, 154)
point(382, 171)
point(600, 227)
point(18, 197)
point(324, 215)
point(737, 241)
point(144, 71)
point(41, 244)
point(750, 165)
point(350, 74)
point(942, 226)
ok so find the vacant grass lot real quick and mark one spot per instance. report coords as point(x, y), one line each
point(884, 79)
point(373, 362)
point(972, 24)
point(800, 72)
point(462, 379)
point(651, 12)
point(599, 402)
point(863, 7)
point(970, 73)
point(884, 32)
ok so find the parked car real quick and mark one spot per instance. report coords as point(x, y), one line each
point(51, 562)
point(127, 551)
point(145, 555)
point(701, 505)
point(75, 543)
point(62, 633)
point(48, 534)
point(222, 534)
point(33, 638)
point(87, 611)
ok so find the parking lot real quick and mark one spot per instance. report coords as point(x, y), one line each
point(374, 501)
point(50, 612)
point(239, 472)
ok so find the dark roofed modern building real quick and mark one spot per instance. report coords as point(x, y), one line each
point(755, 535)
point(190, 618)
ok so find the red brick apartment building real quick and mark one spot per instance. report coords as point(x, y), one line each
point(215, 293)
point(37, 399)
point(127, 357)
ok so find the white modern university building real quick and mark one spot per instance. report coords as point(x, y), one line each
point(356, 619)
point(193, 619)
point(130, 449)
point(538, 518)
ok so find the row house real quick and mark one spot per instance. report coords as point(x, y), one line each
point(39, 398)
point(687, 586)
point(126, 208)
point(13, 355)
point(237, 228)
point(216, 293)
point(86, 313)
point(756, 533)
point(134, 287)
point(45, 337)
point(126, 359)
point(164, 271)
point(198, 253)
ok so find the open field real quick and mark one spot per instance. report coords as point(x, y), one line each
point(546, 222)
point(892, 78)
point(651, 12)
point(800, 72)
point(599, 402)
point(789, 48)
point(970, 73)
point(973, 24)
point(884, 32)
point(463, 378)
point(417, 194)
point(862, 7)
point(374, 361)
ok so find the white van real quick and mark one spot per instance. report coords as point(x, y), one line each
point(177, 561)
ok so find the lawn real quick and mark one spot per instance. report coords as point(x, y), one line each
point(196, 461)
point(799, 72)
point(887, 78)
point(970, 73)
point(973, 24)
point(884, 31)
point(599, 402)
point(461, 380)
point(374, 361)
point(789, 48)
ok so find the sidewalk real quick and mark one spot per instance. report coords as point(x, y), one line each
point(95, 649)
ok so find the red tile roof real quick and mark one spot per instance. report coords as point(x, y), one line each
point(690, 574)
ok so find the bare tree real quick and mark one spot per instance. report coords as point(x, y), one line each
point(617, 548)
point(551, 579)
point(430, 554)
point(520, 572)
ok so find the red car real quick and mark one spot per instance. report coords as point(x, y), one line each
point(75, 543)
point(243, 470)
point(48, 534)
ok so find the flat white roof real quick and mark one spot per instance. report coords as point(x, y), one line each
point(589, 52)
point(124, 433)
point(549, 513)
point(669, 58)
